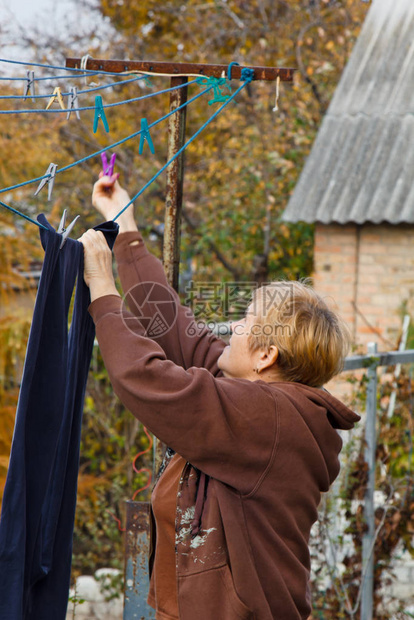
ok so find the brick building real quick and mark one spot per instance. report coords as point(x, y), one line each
point(357, 185)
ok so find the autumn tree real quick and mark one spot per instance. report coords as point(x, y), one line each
point(238, 178)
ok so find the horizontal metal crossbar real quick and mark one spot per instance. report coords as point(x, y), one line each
point(390, 358)
point(179, 68)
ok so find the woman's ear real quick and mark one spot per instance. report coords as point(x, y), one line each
point(267, 358)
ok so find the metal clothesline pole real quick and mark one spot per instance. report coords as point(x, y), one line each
point(368, 539)
point(181, 68)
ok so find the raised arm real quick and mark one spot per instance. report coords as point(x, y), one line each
point(211, 421)
point(147, 292)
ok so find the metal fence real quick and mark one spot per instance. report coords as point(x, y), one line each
point(137, 533)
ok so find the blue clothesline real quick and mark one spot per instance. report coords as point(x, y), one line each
point(246, 77)
point(26, 217)
point(46, 66)
point(55, 77)
point(79, 92)
point(107, 105)
point(111, 146)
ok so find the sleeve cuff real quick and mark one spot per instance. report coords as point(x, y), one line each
point(125, 252)
point(107, 304)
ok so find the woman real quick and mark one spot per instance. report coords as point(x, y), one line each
point(252, 437)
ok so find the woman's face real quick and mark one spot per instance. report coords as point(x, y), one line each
point(237, 360)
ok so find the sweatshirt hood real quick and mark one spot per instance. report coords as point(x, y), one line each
point(303, 396)
point(320, 417)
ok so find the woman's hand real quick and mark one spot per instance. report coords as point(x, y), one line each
point(108, 197)
point(97, 264)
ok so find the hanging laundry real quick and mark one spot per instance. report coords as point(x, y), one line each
point(36, 524)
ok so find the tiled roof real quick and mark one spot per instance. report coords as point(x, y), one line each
point(361, 167)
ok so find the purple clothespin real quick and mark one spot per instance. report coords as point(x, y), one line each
point(108, 169)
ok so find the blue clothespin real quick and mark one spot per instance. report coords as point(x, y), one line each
point(145, 135)
point(99, 114)
point(108, 169)
point(51, 171)
point(73, 103)
point(30, 85)
point(65, 232)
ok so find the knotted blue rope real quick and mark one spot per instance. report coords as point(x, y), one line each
point(229, 69)
point(247, 75)
point(217, 84)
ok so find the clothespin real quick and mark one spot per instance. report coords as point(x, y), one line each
point(84, 62)
point(57, 94)
point(276, 108)
point(145, 135)
point(51, 171)
point(108, 169)
point(99, 114)
point(65, 232)
point(73, 103)
point(30, 85)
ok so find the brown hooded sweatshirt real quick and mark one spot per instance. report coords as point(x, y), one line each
point(258, 455)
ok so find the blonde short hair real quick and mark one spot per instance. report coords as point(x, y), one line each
point(312, 340)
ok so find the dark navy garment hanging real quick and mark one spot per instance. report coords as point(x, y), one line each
point(38, 511)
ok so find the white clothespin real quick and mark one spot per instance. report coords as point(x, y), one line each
point(73, 102)
point(51, 171)
point(83, 64)
point(65, 232)
point(276, 108)
point(30, 85)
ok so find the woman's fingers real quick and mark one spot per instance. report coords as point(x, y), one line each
point(97, 256)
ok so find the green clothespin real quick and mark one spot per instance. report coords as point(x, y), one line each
point(99, 114)
point(145, 135)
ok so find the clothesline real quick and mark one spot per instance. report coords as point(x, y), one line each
point(111, 146)
point(107, 105)
point(83, 72)
point(246, 77)
point(79, 92)
point(8, 207)
point(246, 82)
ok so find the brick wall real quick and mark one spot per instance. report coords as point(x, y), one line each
point(373, 267)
